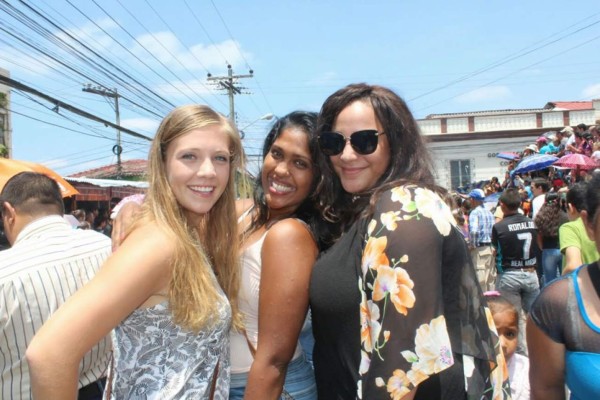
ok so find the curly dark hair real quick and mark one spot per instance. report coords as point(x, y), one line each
point(306, 122)
point(551, 216)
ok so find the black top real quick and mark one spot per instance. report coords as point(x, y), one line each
point(334, 297)
point(515, 240)
point(557, 313)
point(395, 304)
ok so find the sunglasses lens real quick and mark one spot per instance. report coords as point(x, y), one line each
point(331, 143)
point(364, 142)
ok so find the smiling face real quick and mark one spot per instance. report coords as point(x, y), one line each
point(357, 172)
point(287, 172)
point(197, 165)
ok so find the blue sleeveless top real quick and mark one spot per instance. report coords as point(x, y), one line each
point(583, 368)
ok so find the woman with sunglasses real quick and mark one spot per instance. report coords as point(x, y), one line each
point(397, 311)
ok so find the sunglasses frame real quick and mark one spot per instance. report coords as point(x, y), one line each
point(355, 147)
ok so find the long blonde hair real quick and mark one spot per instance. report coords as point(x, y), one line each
point(214, 243)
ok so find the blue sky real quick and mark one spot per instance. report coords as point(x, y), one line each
point(441, 56)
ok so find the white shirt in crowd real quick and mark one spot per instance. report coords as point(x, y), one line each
point(48, 262)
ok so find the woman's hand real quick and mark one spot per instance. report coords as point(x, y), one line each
point(122, 222)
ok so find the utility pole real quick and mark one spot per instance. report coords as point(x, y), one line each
point(102, 91)
point(229, 83)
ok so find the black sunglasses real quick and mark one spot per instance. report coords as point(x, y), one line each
point(363, 142)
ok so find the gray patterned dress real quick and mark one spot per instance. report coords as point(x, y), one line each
point(156, 359)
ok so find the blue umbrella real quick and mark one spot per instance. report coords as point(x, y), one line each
point(534, 162)
point(508, 155)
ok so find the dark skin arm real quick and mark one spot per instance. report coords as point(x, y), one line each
point(288, 254)
point(547, 365)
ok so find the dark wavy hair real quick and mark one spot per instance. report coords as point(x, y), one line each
point(593, 198)
point(306, 122)
point(410, 161)
point(551, 216)
point(576, 196)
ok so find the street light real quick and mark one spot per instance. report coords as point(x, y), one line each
point(265, 117)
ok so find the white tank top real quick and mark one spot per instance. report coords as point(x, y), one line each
point(241, 358)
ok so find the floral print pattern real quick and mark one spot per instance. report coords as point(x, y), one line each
point(157, 359)
point(403, 288)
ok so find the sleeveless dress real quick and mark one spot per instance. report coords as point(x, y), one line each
point(560, 313)
point(156, 359)
point(583, 382)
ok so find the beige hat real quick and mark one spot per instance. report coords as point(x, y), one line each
point(567, 129)
point(532, 147)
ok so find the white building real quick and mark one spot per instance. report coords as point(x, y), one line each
point(5, 124)
point(464, 145)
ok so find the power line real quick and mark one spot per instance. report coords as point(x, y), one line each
point(60, 43)
point(149, 52)
point(230, 35)
point(514, 72)
point(59, 104)
point(173, 31)
point(229, 84)
point(205, 32)
point(519, 54)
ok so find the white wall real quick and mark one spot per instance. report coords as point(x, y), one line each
point(480, 152)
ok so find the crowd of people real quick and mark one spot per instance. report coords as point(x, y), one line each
point(349, 274)
point(526, 234)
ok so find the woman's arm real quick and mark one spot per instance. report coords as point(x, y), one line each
point(547, 365)
point(288, 254)
point(139, 269)
point(572, 259)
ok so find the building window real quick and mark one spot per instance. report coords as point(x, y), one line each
point(460, 173)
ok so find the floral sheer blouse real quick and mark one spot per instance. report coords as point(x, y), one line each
point(422, 313)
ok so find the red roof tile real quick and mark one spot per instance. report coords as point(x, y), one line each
point(128, 168)
point(570, 105)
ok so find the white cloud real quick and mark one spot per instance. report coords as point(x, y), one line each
point(167, 48)
point(160, 44)
point(143, 124)
point(487, 93)
point(212, 56)
point(591, 92)
point(92, 34)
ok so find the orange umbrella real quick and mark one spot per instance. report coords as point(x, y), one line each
point(9, 168)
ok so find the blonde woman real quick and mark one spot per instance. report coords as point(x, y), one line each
point(169, 291)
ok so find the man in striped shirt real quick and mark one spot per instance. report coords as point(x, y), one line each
point(47, 263)
point(481, 221)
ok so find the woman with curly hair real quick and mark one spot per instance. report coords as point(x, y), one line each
point(548, 220)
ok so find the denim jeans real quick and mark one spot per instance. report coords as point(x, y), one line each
point(552, 263)
point(299, 381)
point(520, 288)
point(307, 339)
